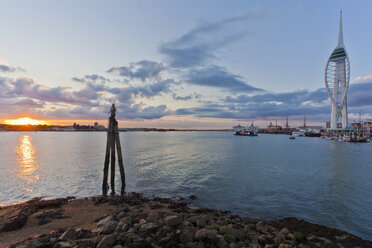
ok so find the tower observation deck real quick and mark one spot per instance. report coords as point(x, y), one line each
point(337, 77)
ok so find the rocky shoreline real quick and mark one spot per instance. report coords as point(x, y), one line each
point(136, 221)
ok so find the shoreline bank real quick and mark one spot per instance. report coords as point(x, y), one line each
point(137, 221)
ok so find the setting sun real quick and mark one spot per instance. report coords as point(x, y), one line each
point(25, 121)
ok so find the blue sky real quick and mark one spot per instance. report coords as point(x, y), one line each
point(190, 64)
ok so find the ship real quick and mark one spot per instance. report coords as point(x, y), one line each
point(245, 131)
point(298, 133)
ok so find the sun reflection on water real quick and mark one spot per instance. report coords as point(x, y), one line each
point(26, 161)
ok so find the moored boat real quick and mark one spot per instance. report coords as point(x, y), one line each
point(245, 131)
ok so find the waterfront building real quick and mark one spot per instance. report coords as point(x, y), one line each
point(274, 128)
point(367, 128)
point(337, 77)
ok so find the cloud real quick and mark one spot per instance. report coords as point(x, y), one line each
point(216, 76)
point(137, 111)
point(182, 98)
point(27, 88)
point(127, 94)
point(314, 104)
point(295, 98)
point(142, 70)
point(7, 68)
point(199, 45)
point(360, 94)
point(91, 78)
point(365, 79)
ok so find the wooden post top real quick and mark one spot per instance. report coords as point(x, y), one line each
point(113, 110)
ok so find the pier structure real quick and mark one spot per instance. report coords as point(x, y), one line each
point(337, 77)
point(113, 143)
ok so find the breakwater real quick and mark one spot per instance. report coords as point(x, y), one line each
point(136, 221)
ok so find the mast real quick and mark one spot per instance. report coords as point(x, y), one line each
point(340, 42)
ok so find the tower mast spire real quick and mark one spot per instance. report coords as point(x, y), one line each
point(340, 42)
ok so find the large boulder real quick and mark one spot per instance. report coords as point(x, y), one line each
point(206, 235)
point(110, 227)
point(173, 220)
point(126, 221)
point(187, 234)
point(107, 241)
point(14, 223)
point(68, 234)
point(105, 221)
point(149, 227)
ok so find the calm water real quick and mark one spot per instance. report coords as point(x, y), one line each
point(268, 176)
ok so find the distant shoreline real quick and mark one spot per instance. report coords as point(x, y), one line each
point(124, 130)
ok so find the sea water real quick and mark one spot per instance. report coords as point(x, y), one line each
point(268, 176)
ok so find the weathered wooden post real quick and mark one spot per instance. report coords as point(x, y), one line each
point(112, 141)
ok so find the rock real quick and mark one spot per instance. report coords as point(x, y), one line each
point(117, 246)
point(125, 208)
point(173, 220)
point(281, 236)
point(193, 197)
point(284, 245)
point(201, 223)
point(107, 241)
point(232, 232)
point(254, 245)
point(110, 227)
point(193, 219)
point(205, 234)
point(299, 236)
point(105, 221)
point(229, 238)
point(21, 246)
point(167, 238)
point(153, 217)
point(262, 227)
point(83, 233)
point(186, 223)
point(14, 223)
point(262, 239)
point(290, 236)
point(187, 234)
point(221, 243)
point(149, 227)
point(63, 244)
point(142, 221)
point(84, 243)
point(49, 215)
point(35, 243)
point(121, 215)
point(126, 221)
point(213, 226)
point(125, 228)
point(68, 234)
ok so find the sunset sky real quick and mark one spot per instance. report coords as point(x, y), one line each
point(179, 64)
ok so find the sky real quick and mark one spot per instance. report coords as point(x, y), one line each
point(180, 64)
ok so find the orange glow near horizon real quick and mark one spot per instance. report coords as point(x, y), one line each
point(25, 121)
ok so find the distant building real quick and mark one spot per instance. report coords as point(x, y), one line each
point(274, 128)
point(98, 127)
point(367, 128)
